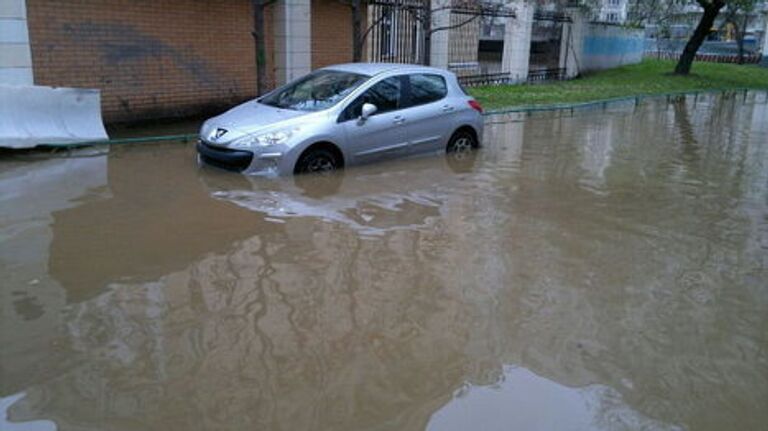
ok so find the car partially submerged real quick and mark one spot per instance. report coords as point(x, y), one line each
point(343, 115)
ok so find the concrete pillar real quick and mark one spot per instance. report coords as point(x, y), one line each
point(293, 47)
point(439, 40)
point(517, 42)
point(565, 46)
point(764, 61)
point(572, 45)
point(15, 55)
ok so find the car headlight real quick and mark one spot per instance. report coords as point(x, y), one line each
point(267, 139)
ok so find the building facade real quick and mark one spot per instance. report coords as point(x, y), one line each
point(170, 58)
point(613, 11)
point(165, 58)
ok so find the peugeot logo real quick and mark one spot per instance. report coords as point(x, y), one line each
point(219, 133)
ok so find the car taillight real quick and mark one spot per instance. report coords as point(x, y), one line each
point(476, 106)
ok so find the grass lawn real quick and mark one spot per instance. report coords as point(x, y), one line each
point(648, 77)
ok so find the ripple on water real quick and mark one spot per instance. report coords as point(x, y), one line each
point(617, 257)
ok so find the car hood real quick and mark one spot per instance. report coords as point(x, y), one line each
point(247, 119)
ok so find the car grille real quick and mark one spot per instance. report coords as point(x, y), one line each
point(224, 158)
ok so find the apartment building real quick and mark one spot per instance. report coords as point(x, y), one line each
point(612, 11)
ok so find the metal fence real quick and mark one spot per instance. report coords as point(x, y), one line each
point(712, 58)
point(540, 15)
point(541, 75)
point(467, 21)
point(484, 79)
point(397, 32)
point(546, 38)
point(534, 76)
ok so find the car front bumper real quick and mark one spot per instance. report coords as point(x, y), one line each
point(244, 161)
point(225, 158)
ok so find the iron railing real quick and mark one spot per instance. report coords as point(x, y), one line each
point(484, 79)
point(711, 58)
point(540, 15)
point(546, 38)
point(542, 75)
point(396, 33)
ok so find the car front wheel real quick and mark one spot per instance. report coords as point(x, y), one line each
point(319, 160)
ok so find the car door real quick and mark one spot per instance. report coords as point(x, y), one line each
point(428, 111)
point(381, 135)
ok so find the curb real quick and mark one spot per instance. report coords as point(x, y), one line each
point(138, 140)
point(525, 108)
point(636, 98)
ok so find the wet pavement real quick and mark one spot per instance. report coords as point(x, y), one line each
point(603, 269)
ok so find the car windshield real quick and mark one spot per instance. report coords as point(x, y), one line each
point(315, 92)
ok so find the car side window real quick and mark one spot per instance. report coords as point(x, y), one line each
point(426, 88)
point(385, 94)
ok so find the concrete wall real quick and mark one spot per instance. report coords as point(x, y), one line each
point(608, 46)
point(15, 57)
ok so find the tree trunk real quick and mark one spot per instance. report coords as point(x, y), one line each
point(258, 38)
point(357, 36)
point(702, 30)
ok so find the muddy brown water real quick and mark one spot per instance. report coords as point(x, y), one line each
point(603, 269)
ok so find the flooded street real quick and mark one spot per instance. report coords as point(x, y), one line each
point(603, 269)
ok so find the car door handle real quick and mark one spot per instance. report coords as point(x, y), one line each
point(398, 119)
point(447, 108)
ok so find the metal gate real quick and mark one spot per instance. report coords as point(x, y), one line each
point(476, 41)
point(397, 31)
point(546, 41)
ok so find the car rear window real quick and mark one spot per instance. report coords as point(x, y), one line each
point(463, 89)
point(426, 88)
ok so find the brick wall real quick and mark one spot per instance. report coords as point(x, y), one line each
point(331, 33)
point(150, 58)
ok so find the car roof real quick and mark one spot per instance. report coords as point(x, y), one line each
point(372, 69)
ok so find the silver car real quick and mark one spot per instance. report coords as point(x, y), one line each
point(343, 115)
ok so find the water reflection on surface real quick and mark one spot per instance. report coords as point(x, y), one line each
point(521, 400)
point(614, 258)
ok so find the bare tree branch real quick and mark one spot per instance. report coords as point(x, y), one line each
point(452, 26)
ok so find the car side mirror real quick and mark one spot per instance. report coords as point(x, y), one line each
point(368, 110)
